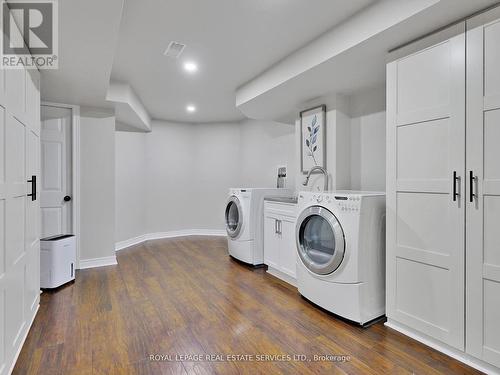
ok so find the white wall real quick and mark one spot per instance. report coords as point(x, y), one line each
point(190, 167)
point(355, 143)
point(170, 177)
point(368, 140)
point(217, 167)
point(177, 176)
point(97, 185)
point(264, 147)
point(130, 180)
point(338, 153)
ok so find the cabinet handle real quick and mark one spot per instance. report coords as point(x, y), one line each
point(33, 188)
point(472, 179)
point(279, 226)
point(455, 190)
point(275, 226)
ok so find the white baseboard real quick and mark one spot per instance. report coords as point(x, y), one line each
point(282, 276)
point(97, 262)
point(159, 235)
point(443, 348)
point(130, 242)
point(23, 340)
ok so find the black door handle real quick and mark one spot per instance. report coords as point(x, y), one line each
point(472, 178)
point(33, 188)
point(455, 180)
point(67, 198)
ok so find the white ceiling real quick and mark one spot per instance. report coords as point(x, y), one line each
point(236, 43)
point(349, 59)
point(88, 34)
point(231, 40)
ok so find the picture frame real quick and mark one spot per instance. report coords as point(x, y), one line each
point(313, 138)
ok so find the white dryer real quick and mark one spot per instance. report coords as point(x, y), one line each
point(244, 218)
point(340, 240)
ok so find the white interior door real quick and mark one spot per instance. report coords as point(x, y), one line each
point(425, 219)
point(483, 208)
point(56, 166)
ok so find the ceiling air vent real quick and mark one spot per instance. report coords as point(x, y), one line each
point(174, 50)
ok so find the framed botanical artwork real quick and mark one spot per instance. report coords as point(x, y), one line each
point(313, 138)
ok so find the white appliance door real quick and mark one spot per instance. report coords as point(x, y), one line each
point(55, 187)
point(233, 217)
point(320, 240)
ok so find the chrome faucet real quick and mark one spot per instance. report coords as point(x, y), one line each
point(322, 170)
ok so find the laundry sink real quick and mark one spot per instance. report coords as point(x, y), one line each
point(292, 200)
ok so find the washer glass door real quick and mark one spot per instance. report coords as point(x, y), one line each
point(320, 240)
point(233, 217)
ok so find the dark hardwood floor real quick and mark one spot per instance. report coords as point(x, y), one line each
point(185, 297)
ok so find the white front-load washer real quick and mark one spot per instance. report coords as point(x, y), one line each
point(340, 238)
point(244, 217)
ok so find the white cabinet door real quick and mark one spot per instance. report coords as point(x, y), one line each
point(425, 220)
point(4, 196)
point(32, 231)
point(33, 100)
point(15, 92)
point(288, 248)
point(13, 280)
point(271, 242)
point(19, 214)
point(483, 208)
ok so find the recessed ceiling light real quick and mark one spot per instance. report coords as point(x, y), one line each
point(190, 67)
point(191, 108)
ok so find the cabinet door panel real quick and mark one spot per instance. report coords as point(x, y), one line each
point(433, 164)
point(3, 193)
point(491, 59)
point(271, 242)
point(425, 224)
point(483, 192)
point(412, 278)
point(491, 341)
point(2, 86)
point(15, 92)
point(419, 95)
point(3, 202)
point(33, 100)
point(288, 248)
point(16, 185)
point(32, 230)
point(13, 192)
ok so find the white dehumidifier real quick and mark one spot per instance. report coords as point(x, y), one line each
point(57, 260)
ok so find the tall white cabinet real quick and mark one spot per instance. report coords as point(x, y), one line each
point(443, 190)
point(483, 195)
point(19, 212)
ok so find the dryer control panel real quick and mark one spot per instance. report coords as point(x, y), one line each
point(347, 203)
